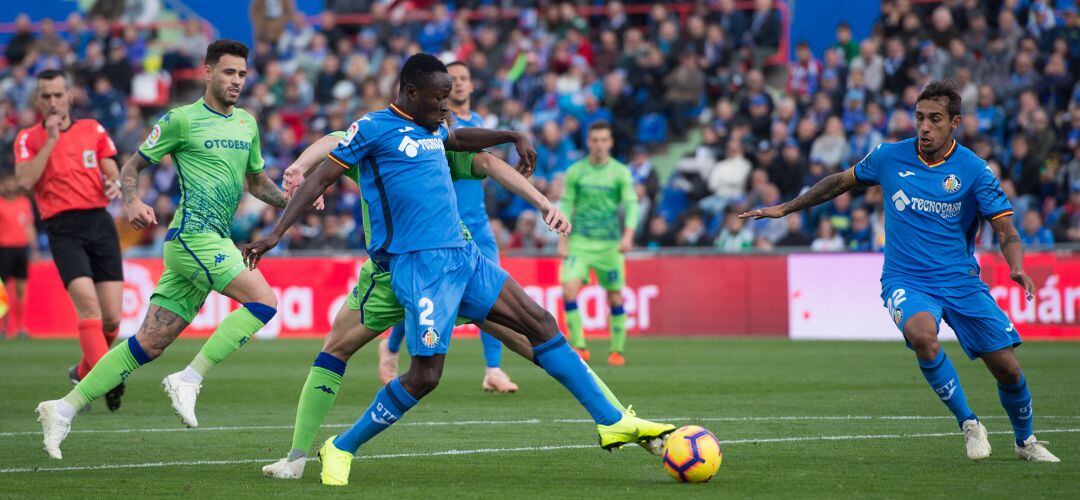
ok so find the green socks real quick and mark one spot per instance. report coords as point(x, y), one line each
point(617, 327)
point(607, 392)
point(109, 372)
point(233, 332)
point(316, 399)
point(573, 323)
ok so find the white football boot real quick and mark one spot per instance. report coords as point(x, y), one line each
point(975, 441)
point(1035, 451)
point(183, 395)
point(54, 426)
point(285, 469)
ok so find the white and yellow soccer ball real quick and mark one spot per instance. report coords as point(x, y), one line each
point(692, 454)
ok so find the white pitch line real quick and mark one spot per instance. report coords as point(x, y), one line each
point(446, 453)
point(779, 418)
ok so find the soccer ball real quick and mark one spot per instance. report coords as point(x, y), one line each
point(692, 454)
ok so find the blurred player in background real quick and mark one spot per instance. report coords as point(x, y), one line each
point(940, 192)
point(18, 238)
point(215, 147)
point(70, 165)
point(595, 188)
point(470, 198)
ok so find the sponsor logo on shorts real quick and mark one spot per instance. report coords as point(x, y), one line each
point(430, 338)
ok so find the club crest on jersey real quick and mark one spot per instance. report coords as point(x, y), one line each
point(349, 134)
point(951, 184)
point(89, 158)
point(430, 338)
point(155, 134)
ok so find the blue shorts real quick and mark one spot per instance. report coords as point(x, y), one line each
point(980, 325)
point(485, 240)
point(436, 286)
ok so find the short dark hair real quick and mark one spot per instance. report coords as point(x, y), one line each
point(225, 46)
point(417, 69)
point(49, 74)
point(942, 88)
point(599, 125)
point(459, 63)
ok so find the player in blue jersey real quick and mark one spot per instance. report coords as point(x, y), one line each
point(437, 273)
point(470, 200)
point(940, 191)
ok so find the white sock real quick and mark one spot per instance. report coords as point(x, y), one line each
point(65, 410)
point(190, 375)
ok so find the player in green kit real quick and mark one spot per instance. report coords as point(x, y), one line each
point(215, 147)
point(595, 187)
point(372, 307)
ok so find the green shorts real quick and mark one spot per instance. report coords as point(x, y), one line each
point(609, 264)
point(195, 264)
point(374, 297)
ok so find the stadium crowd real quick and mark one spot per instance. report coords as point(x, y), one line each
point(707, 122)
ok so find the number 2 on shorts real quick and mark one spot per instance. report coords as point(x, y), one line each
point(426, 308)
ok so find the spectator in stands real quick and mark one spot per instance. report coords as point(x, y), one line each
point(845, 42)
point(828, 240)
point(794, 235)
point(735, 237)
point(685, 87)
point(693, 232)
point(657, 234)
point(860, 238)
point(268, 18)
point(527, 234)
point(1033, 234)
point(804, 73)
point(727, 179)
point(763, 31)
point(831, 148)
point(21, 42)
point(771, 230)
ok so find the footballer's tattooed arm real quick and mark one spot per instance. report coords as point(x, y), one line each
point(826, 189)
point(140, 215)
point(261, 187)
point(1013, 250)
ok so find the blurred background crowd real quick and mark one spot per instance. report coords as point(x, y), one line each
point(708, 111)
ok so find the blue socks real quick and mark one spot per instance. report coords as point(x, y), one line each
point(390, 404)
point(562, 363)
point(942, 377)
point(396, 336)
point(1016, 399)
point(492, 350)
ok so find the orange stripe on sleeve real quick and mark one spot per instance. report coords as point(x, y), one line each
point(1002, 214)
point(339, 162)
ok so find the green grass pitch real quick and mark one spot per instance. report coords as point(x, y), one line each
point(798, 420)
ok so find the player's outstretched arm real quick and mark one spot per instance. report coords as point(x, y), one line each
point(261, 187)
point(1013, 250)
point(140, 215)
point(501, 172)
point(826, 189)
point(477, 139)
point(305, 164)
point(311, 189)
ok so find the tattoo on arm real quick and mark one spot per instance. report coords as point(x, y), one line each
point(129, 176)
point(825, 190)
point(261, 187)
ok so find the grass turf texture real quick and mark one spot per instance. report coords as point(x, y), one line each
point(735, 387)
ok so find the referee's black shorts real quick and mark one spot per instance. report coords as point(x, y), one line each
point(85, 243)
point(14, 262)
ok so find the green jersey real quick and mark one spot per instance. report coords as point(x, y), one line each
point(212, 152)
point(592, 198)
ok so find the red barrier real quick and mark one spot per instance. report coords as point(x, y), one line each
point(1055, 312)
point(669, 295)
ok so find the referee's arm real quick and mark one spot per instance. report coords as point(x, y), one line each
point(29, 171)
